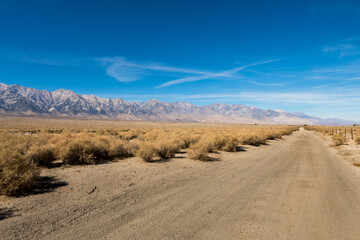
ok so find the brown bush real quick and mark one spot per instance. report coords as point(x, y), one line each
point(167, 149)
point(147, 151)
point(129, 134)
point(111, 132)
point(17, 174)
point(89, 148)
point(275, 135)
point(230, 145)
point(114, 146)
point(89, 145)
point(41, 155)
point(122, 150)
point(338, 140)
point(151, 135)
point(253, 140)
point(189, 139)
point(132, 147)
point(357, 140)
point(198, 151)
point(208, 145)
point(217, 143)
point(83, 151)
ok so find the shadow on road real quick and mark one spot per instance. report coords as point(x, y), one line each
point(213, 159)
point(240, 149)
point(46, 184)
point(6, 213)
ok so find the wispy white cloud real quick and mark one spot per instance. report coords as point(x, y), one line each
point(266, 84)
point(42, 58)
point(227, 73)
point(150, 66)
point(354, 79)
point(343, 47)
point(122, 70)
point(313, 98)
point(339, 47)
point(193, 79)
point(127, 71)
point(338, 97)
point(328, 85)
point(346, 69)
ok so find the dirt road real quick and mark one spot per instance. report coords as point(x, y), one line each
point(290, 189)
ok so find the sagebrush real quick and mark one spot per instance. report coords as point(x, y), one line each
point(25, 149)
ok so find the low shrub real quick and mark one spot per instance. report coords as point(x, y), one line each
point(91, 145)
point(230, 145)
point(206, 145)
point(111, 132)
point(189, 139)
point(167, 149)
point(253, 140)
point(338, 140)
point(275, 135)
point(147, 151)
point(129, 135)
point(132, 147)
point(114, 147)
point(41, 155)
point(83, 151)
point(357, 140)
point(218, 143)
point(198, 152)
point(17, 173)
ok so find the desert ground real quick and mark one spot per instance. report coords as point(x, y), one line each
point(296, 187)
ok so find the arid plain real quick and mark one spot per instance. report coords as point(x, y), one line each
point(276, 183)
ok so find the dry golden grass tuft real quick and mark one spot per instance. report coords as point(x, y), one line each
point(188, 139)
point(338, 140)
point(80, 148)
point(199, 151)
point(255, 140)
point(357, 140)
point(17, 173)
point(231, 145)
point(41, 155)
point(147, 151)
point(166, 149)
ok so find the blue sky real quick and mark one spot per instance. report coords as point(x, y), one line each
point(298, 56)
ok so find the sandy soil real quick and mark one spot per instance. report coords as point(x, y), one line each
point(290, 189)
point(350, 151)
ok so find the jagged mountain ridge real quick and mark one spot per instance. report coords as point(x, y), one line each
point(19, 100)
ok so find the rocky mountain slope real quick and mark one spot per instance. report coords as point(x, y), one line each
point(19, 100)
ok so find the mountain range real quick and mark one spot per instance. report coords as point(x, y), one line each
point(23, 101)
